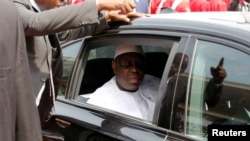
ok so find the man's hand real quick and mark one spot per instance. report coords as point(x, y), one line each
point(219, 73)
point(124, 6)
point(118, 16)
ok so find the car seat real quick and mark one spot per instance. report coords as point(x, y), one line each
point(97, 72)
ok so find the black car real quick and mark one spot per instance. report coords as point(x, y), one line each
point(204, 37)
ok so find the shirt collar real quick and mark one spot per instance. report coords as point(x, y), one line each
point(34, 4)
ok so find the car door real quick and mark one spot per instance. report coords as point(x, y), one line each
point(70, 52)
point(75, 118)
point(234, 91)
point(190, 94)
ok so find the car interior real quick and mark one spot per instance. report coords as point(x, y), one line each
point(99, 70)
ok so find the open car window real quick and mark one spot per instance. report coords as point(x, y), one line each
point(98, 65)
point(70, 52)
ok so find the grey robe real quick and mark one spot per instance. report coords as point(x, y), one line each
point(19, 120)
point(81, 19)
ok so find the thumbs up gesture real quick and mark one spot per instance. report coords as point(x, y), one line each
point(218, 73)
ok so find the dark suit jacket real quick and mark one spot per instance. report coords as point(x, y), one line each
point(176, 94)
point(171, 98)
point(38, 25)
point(82, 19)
point(19, 120)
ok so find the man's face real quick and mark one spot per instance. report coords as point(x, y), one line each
point(49, 4)
point(129, 71)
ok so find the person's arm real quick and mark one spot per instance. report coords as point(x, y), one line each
point(212, 93)
point(214, 86)
point(58, 19)
point(86, 30)
point(104, 18)
point(85, 15)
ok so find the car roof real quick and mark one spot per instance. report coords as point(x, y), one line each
point(235, 25)
point(239, 20)
point(232, 17)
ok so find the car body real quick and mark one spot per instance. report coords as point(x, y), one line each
point(204, 37)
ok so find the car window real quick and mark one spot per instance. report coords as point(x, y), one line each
point(211, 103)
point(191, 101)
point(98, 69)
point(70, 52)
point(101, 59)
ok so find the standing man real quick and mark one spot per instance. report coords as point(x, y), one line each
point(43, 18)
point(19, 120)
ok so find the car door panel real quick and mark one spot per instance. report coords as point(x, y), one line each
point(75, 123)
point(98, 122)
point(196, 115)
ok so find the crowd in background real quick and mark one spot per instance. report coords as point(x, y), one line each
point(199, 5)
point(156, 6)
point(159, 6)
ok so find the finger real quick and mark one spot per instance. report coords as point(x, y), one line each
point(221, 62)
point(126, 9)
point(136, 15)
point(222, 72)
point(127, 6)
point(124, 19)
point(117, 16)
point(212, 70)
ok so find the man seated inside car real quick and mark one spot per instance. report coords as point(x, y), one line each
point(130, 90)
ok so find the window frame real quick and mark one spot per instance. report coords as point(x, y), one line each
point(192, 48)
point(91, 43)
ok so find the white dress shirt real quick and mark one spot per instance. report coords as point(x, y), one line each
point(139, 104)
